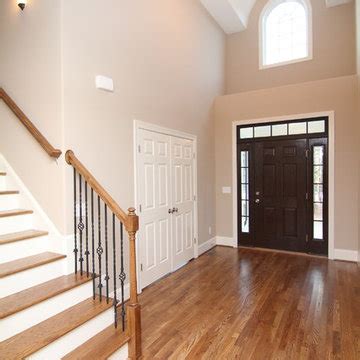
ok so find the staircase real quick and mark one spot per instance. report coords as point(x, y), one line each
point(45, 311)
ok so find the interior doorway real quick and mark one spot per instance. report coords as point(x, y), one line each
point(166, 198)
point(282, 177)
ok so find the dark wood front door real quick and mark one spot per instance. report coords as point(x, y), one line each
point(279, 200)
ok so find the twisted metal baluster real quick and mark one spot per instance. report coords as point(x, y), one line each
point(81, 226)
point(99, 249)
point(93, 241)
point(75, 228)
point(87, 253)
point(114, 272)
point(106, 255)
point(122, 275)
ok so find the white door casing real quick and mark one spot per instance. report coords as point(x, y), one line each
point(166, 187)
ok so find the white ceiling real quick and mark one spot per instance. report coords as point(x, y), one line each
point(233, 15)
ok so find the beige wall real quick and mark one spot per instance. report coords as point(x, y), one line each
point(30, 71)
point(358, 34)
point(334, 51)
point(166, 58)
point(358, 72)
point(338, 94)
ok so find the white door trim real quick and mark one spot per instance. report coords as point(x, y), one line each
point(138, 124)
point(331, 139)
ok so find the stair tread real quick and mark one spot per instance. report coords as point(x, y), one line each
point(9, 192)
point(35, 338)
point(101, 346)
point(21, 235)
point(29, 262)
point(14, 212)
point(24, 299)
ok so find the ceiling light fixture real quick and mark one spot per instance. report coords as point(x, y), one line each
point(21, 4)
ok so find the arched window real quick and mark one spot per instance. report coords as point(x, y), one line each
point(285, 32)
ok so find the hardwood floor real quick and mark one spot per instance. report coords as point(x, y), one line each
point(249, 304)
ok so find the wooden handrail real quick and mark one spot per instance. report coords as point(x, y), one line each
point(39, 137)
point(131, 223)
point(71, 159)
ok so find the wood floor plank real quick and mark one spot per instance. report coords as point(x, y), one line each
point(22, 235)
point(250, 304)
point(101, 346)
point(15, 212)
point(29, 341)
point(24, 299)
point(29, 262)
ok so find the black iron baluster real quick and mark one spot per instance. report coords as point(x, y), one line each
point(106, 255)
point(122, 275)
point(99, 250)
point(81, 225)
point(75, 222)
point(114, 275)
point(93, 241)
point(87, 253)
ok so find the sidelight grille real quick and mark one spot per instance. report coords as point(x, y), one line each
point(245, 213)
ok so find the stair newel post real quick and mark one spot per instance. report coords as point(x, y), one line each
point(133, 308)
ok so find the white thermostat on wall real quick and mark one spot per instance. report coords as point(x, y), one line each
point(104, 83)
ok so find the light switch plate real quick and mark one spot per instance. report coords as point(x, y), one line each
point(104, 83)
point(226, 190)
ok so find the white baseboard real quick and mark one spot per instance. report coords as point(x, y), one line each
point(207, 245)
point(347, 255)
point(226, 241)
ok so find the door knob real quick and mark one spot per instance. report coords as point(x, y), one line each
point(175, 210)
point(170, 211)
point(257, 201)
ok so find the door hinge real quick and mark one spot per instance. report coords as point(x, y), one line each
point(194, 240)
point(194, 155)
point(141, 267)
point(194, 197)
point(307, 196)
point(307, 238)
point(139, 148)
point(140, 208)
point(307, 151)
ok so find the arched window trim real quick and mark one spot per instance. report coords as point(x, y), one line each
point(271, 5)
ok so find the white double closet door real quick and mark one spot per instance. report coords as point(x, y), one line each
point(166, 197)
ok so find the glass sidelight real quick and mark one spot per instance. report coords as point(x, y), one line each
point(245, 192)
point(318, 192)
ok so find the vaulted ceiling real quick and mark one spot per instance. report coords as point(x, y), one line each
point(233, 15)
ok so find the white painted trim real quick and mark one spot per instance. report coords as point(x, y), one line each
point(13, 177)
point(331, 140)
point(226, 241)
point(207, 245)
point(271, 5)
point(138, 124)
point(346, 255)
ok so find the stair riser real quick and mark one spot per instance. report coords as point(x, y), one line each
point(75, 338)
point(8, 202)
point(28, 278)
point(23, 248)
point(120, 354)
point(27, 318)
point(13, 224)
